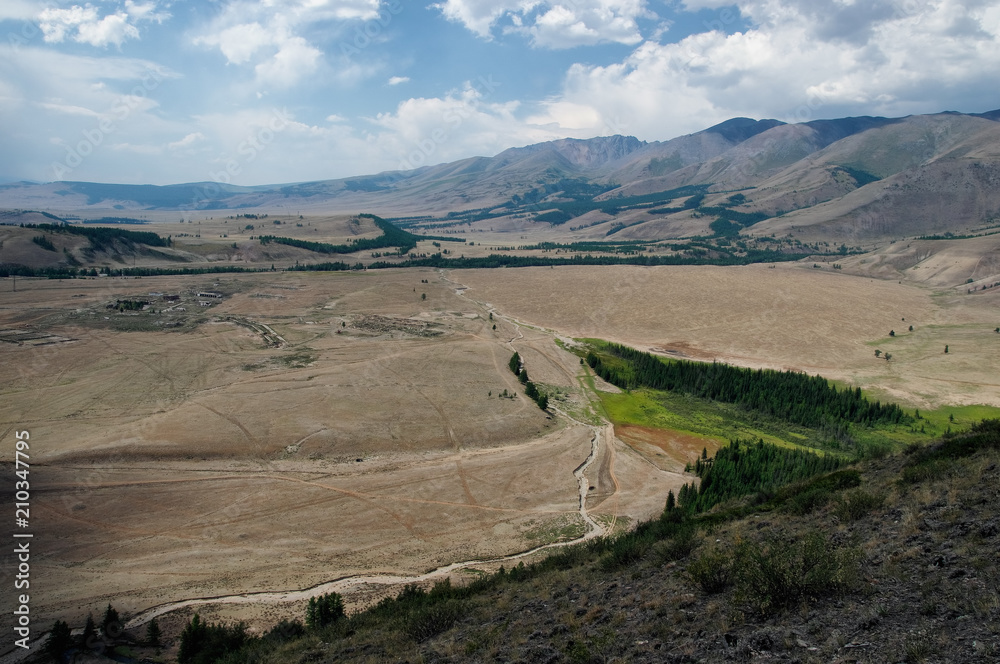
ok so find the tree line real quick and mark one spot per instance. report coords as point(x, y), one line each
point(392, 236)
point(532, 392)
point(501, 260)
point(746, 467)
point(62, 272)
point(788, 395)
point(103, 238)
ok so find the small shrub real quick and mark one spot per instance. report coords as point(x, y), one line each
point(808, 501)
point(678, 547)
point(857, 504)
point(426, 622)
point(775, 575)
point(713, 571)
point(625, 550)
point(804, 497)
point(925, 471)
point(873, 450)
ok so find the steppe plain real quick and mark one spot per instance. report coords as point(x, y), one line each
point(310, 426)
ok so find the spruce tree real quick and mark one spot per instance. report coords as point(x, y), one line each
point(324, 610)
point(110, 625)
point(153, 633)
point(193, 639)
point(89, 631)
point(60, 640)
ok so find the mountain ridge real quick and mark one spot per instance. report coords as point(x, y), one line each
point(784, 169)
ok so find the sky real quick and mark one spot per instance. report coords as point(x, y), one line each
point(273, 91)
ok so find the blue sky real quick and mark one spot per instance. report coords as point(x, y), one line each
point(273, 91)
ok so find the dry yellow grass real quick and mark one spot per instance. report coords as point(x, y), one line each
point(785, 316)
point(199, 460)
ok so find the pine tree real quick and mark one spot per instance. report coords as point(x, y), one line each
point(153, 633)
point(515, 363)
point(324, 610)
point(671, 501)
point(193, 639)
point(110, 625)
point(60, 640)
point(89, 631)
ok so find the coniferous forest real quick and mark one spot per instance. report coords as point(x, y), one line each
point(795, 397)
point(748, 467)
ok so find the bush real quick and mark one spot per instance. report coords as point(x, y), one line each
point(804, 497)
point(678, 547)
point(807, 501)
point(713, 571)
point(777, 574)
point(624, 550)
point(858, 503)
point(428, 621)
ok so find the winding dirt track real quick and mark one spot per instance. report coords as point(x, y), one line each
point(601, 440)
point(601, 453)
point(347, 584)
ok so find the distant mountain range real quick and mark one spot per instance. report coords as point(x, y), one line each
point(852, 179)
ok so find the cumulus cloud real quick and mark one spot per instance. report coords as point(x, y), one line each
point(552, 24)
point(398, 80)
point(86, 25)
point(295, 60)
point(470, 121)
point(798, 61)
point(267, 34)
point(239, 42)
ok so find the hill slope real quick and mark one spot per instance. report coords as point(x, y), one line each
point(864, 178)
point(891, 560)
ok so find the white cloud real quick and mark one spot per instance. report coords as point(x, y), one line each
point(57, 23)
point(479, 15)
point(141, 149)
point(398, 80)
point(68, 109)
point(85, 25)
point(295, 60)
point(267, 34)
point(188, 141)
point(145, 11)
point(240, 42)
point(799, 61)
point(20, 10)
point(112, 29)
point(552, 24)
point(425, 131)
